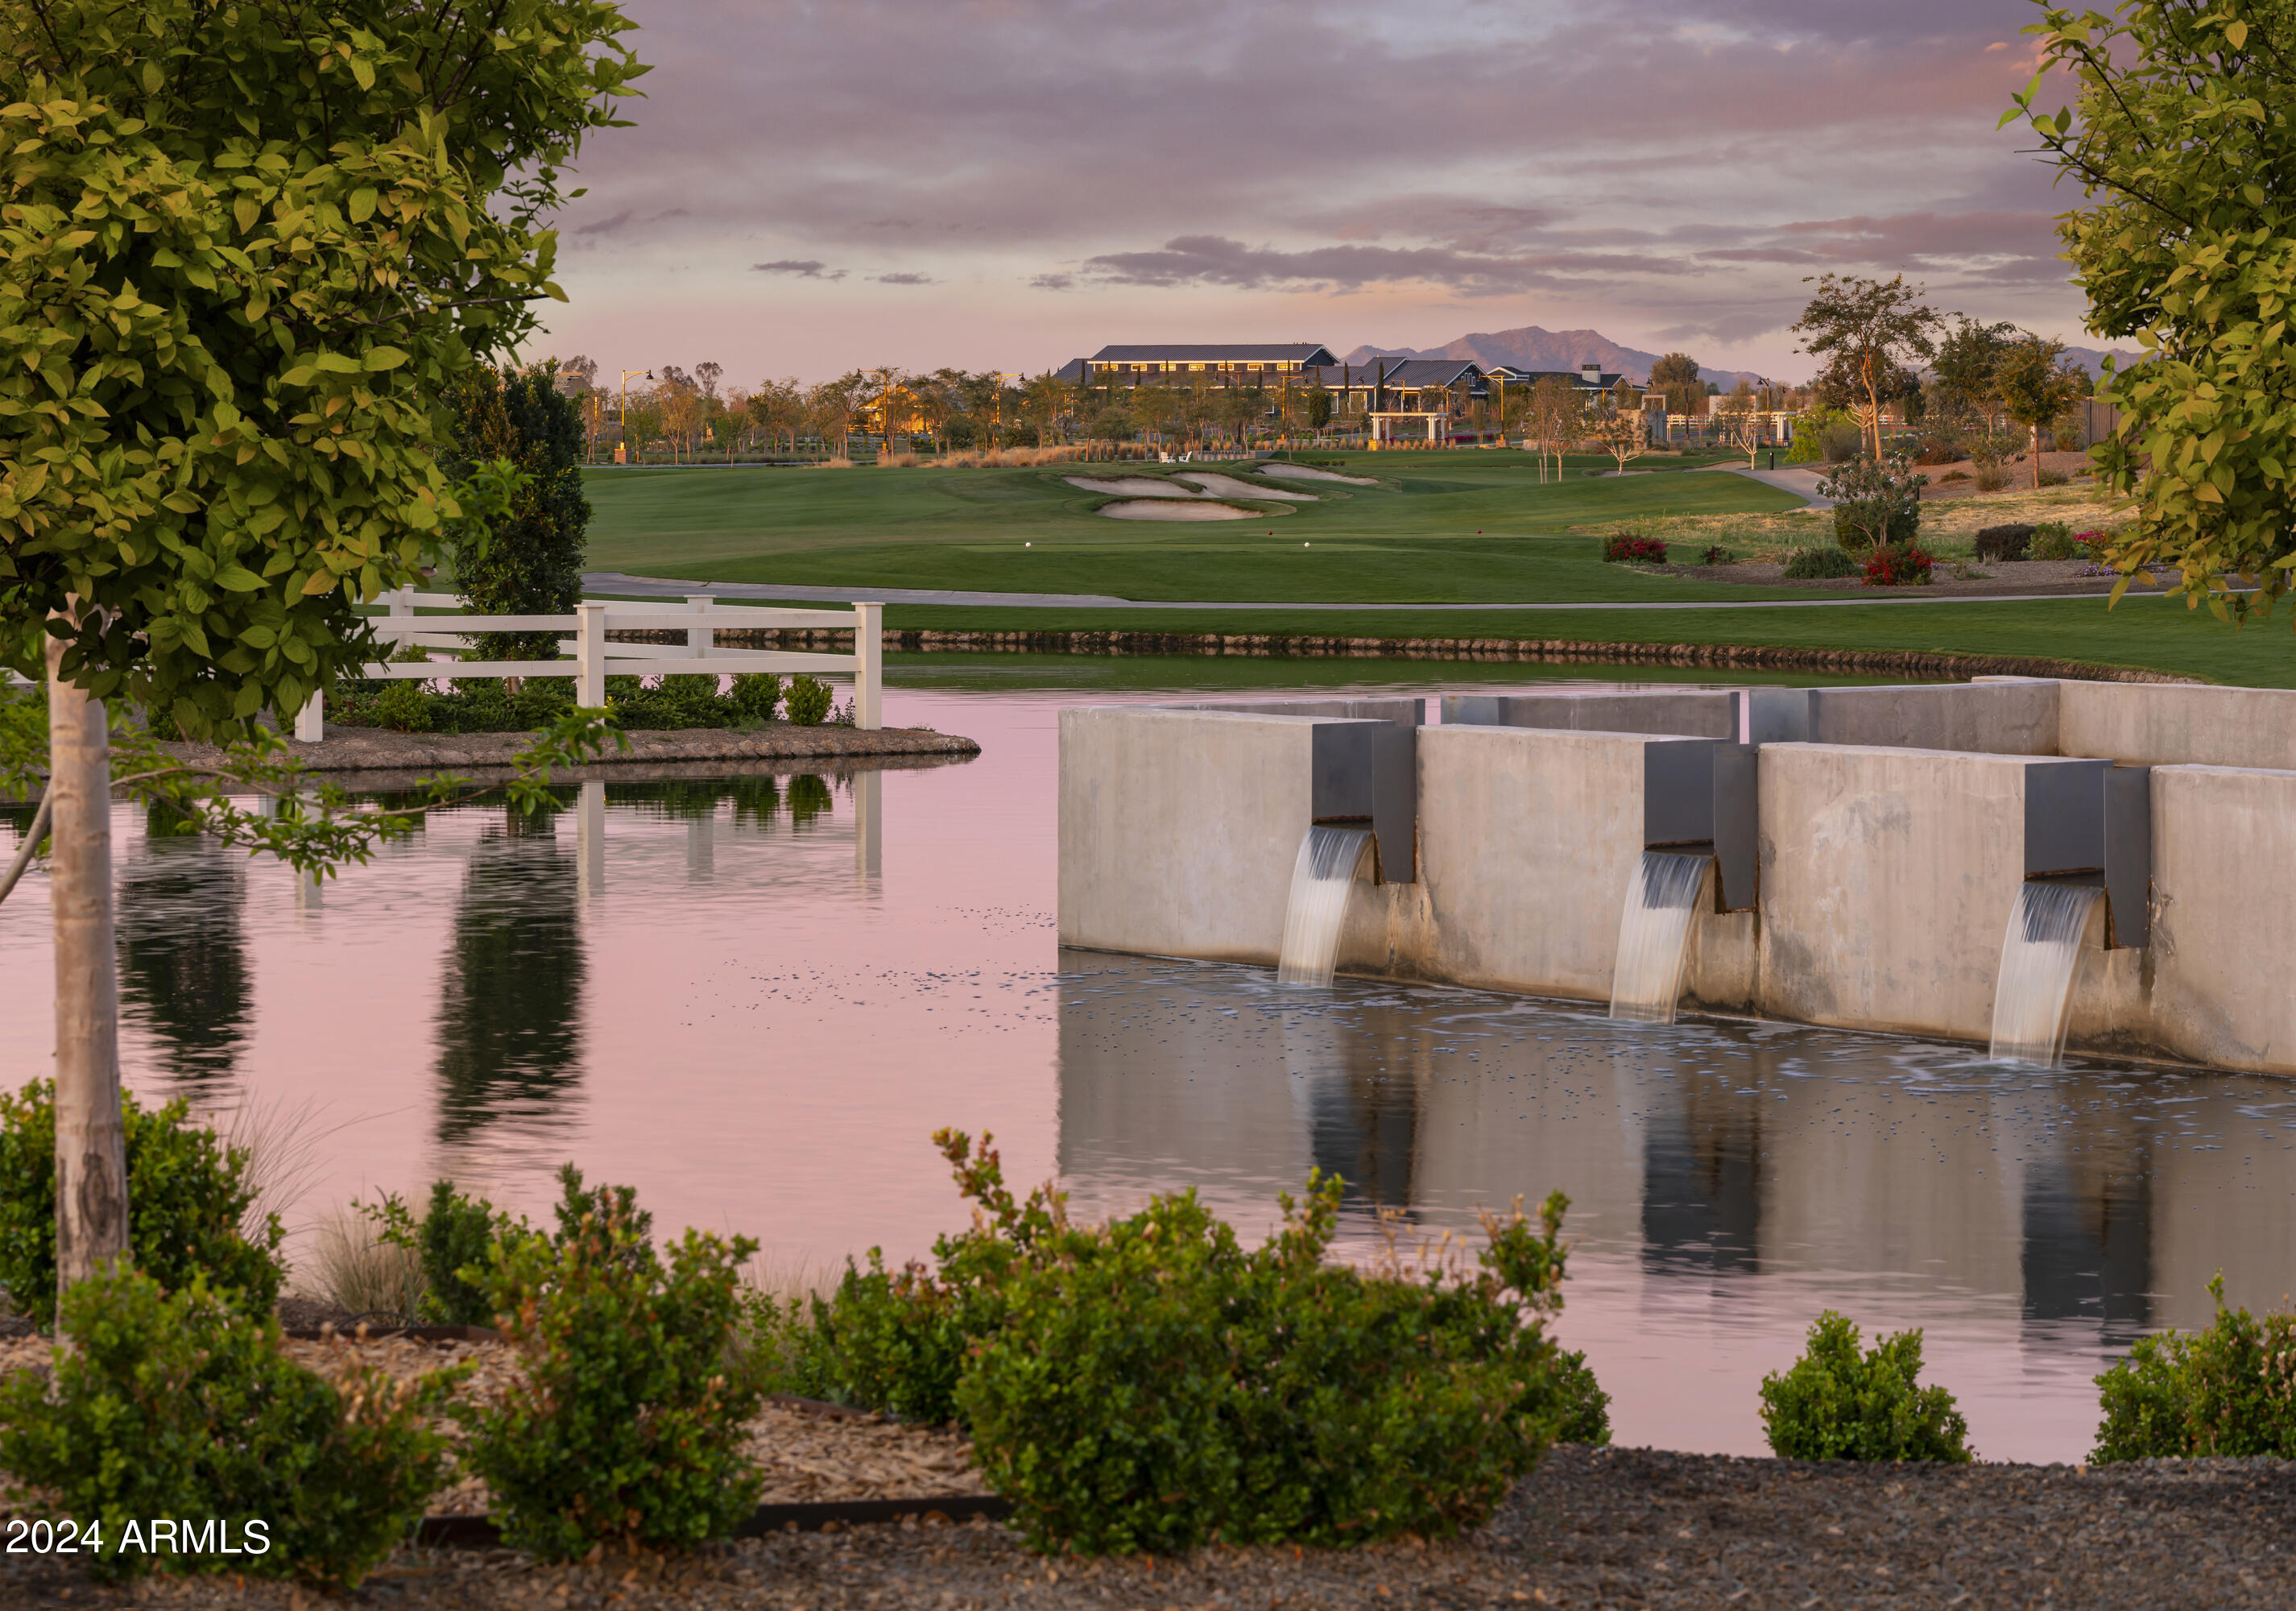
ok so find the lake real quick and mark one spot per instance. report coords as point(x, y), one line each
point(758, 1015)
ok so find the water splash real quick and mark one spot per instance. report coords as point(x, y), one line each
point(2033, 992)
point(1655, 935)
point(1331, 858)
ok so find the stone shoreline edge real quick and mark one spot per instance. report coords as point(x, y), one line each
point(1489, 649)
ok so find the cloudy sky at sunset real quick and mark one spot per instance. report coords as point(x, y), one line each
point(811, 187)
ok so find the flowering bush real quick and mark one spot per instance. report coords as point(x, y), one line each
point(1898, 565)
point(1628, 549)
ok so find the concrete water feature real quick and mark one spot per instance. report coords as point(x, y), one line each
point(1872, 845)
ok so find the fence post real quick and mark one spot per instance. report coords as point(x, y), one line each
point(590, 654)
point(868, 666)
point(311, 720)
point(699, 640)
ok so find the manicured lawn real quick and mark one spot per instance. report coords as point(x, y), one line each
point(1441, 528)
point(2155, 633)
point(1412, 539)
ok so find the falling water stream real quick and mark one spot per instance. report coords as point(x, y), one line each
point(1654, 935)
point(1331, 858)
point(2034, 988)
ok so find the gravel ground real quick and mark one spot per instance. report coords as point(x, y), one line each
point(373, 749)
point(1592, 1528)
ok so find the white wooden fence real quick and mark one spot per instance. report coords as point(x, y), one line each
point(698, 618)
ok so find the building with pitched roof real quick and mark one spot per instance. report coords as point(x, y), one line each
point(1184, 363)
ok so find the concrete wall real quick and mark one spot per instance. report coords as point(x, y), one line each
point(1888, 876)
point(1179, 829)
point(1527, 838)
point(1700, 712)
point(1989, 719)
point(2224, 916)
point(2178, 724)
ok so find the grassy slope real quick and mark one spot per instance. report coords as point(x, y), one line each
point(1412, 541)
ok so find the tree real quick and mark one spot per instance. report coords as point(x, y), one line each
point(2035, 385)
point(1618, 433)
point(1557, 414)
point(2180, 140)
point(528, 560)
point(1677, 376)
point(706, 377)
point(247, 247)
point(1866, 332)
point(1964, 363)
point(1740, 417)
point(829, 416)
point(1319, 407)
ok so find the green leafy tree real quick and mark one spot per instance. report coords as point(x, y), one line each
point(1866, 333)
point(247, 247)
point(1964, 363)
point(1677, 376)
point(2180, 137)
point(528, 560)
point(2035, 385)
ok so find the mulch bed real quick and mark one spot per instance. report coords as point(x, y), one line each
point(1591, 1528)
point(2002, 578)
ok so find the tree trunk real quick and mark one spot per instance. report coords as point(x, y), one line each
point(2037, 458)
point(91, 1144)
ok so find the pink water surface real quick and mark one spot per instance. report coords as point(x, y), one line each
point(761, 1036)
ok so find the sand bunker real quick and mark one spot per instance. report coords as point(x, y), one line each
point(1227, 486)
point(1307, 472)
point(1133, 486)
point(1170, 509)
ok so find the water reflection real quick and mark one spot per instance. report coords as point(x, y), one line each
point(183, 973)
point(510, 1024)
point(1727, 1156)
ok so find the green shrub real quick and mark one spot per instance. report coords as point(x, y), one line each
point(808, 701)
point(474, 705)
point(177, 1406)
point(628, 1419)
point(1837, 1403)
point(454, 1240)
point(1154, 1386)
point(403, 708)
point(2227, 1390)
point(2053, 478)
point(756, 695)
point(2053, 539)
point(189, 1203)
point(541, 700)
point(692, 697)
point(1808, 564)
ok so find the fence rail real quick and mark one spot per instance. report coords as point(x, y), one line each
point(591, 655)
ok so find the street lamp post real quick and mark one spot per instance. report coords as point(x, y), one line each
point(623, 421)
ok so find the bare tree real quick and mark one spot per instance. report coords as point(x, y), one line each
point(1555, 411)
point(1740, 417)
point(1618, 433)
point(1866, 332)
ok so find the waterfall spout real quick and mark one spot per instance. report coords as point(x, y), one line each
point(1330, 860)
point(2033, 992)
point(1655, 935)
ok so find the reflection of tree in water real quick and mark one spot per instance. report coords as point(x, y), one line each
point(808, 797)
point(2087, 1243)
point(184, 975)
point(1702, 1177)
point(509, 1023)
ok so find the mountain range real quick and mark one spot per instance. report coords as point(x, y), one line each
point(1532, 348)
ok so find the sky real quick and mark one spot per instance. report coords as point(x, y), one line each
point(812, 187)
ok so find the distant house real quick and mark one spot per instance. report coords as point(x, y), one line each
point(1182, 364)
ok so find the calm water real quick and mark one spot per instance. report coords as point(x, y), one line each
point(757, 1016)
